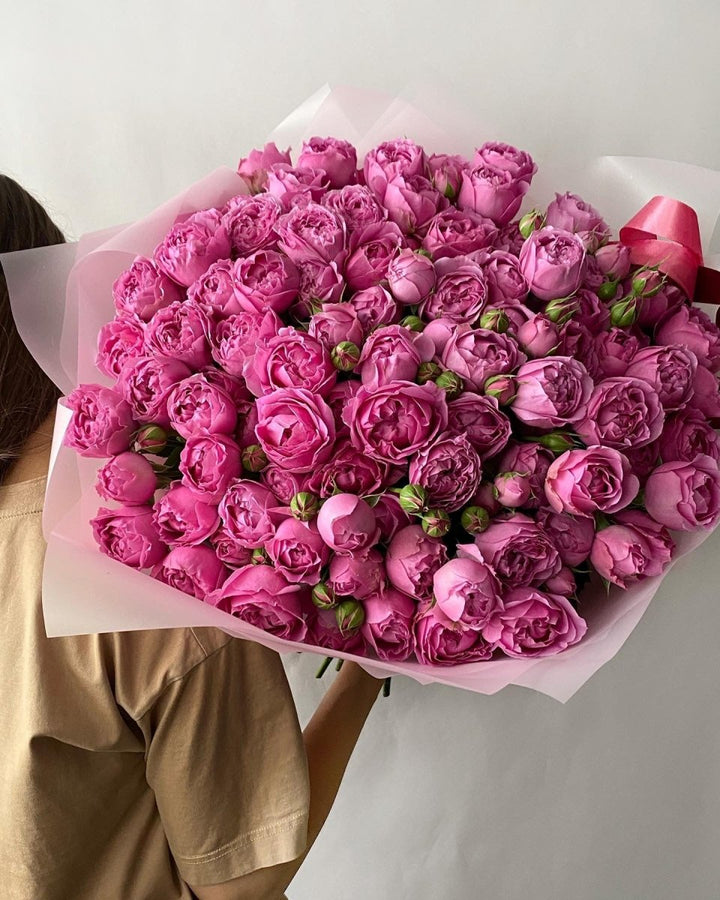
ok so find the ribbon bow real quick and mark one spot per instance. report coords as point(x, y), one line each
point(665, 234)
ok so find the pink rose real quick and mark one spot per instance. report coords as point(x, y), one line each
point(517, 550)
point(250, 222)
point(449, 470)
point(371, 252)
point(215, 291)
point(623, 554)
point(266, 280)
point(492, 192)
point(192, 246)
point(573, 536)
point(179, 331)
point(397, 420)
point(460, 292)
point(478, 354)
point(616, 349)
point(296, 187)
point(563, 583)
point(283, 484)
point(455, 233)
point(297, 551)
point(348, 470)
point(480, 420)
point(622, 412)
point(254, 167)
point(182, 518)
point(235, 339)
point(208, 463)
point(446, 172)
point(146, 383)
point(505, 282)
point(687, 435)
point(467, 591)
point(358, 574)
point(374, 308)
point(551, 392)
point(651, 310)
point(509, 239)
point(196, 406)
point(412, 559)
point(143, 289)
point(685, 496)
point(613, 260)
point(320, 282)
point(127, 478)
point(530, 459)
point(390, 517)
point(387, 628)
point(193, 570)
point(393, 353)
point(260, 596)
point(338, 399)
point(129, 535)
point(120, 341)
point(512, 489)
point(411, 277)
point(533, 623)
point(441, 642)
point(538, 336)
point(553, 263)
point(295, 428)
point(228, 550)
point(669, 370)
point(589, 310)
point(440, 331)
point(578, 341)
point(583, 482)
point(507, 158)
point(355, 205)
point(336, 322)
point(335, 157)
point(706, 396)
point(311, 232)
point(568, 212)
point(249, 513)
point(389, 159)
point(347, 524)
point(290, 359)
point(690, 327)
point(102, 422)
point(411, 202)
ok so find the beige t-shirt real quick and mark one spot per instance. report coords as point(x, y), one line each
point(133, 763)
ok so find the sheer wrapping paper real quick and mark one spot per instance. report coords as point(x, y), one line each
point(61, 296)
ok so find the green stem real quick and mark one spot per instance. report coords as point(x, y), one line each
point(324, 667)
point(386, 687)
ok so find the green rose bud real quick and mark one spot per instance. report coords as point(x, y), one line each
point(474, 519)
point(345, 356)
point(436, 523)
point(495, 320)
point(305, 506)
point(259, 557)
point(530, 222)
point(151, 439)
point(253, 458)
point(560, 310)
point(557, 441)
point(323, 596)
point(501, 387)
point(349, 615)
point(624, 312)
point(413, 498)
point(638, 285)
point(428, 371)
point(414, 323)
point(451, 383)
point(607, 290)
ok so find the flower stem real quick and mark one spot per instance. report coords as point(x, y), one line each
point(324, 667)
point(386, 687)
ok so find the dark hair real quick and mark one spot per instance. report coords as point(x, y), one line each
point(27, 395)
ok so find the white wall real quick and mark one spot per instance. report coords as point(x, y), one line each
point(106, 109)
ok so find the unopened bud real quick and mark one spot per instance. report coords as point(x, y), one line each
point(413, 498)
point(304, 506)
point(349, 615)
point(530, 222)
point(451, 383)
point(474, 519)
point(501, 387)
point(253, 458)
point(323, 596)
point(495, 320)
point(259, 557)
point(345, 356)
point(624, 312)
point(151, 439)
point(414, 323)
point(607, 290)
point(560, 310)
point(557, 441)
point(428, 371)
point(436, 523)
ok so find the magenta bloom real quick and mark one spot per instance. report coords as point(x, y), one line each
point(120, 341)
point(685, 496)
point(347, 524)
point(102, 422)
point(323, 631)
point(669, 370)
point(411, 202)
point(517, 549)
point(297, 551)
point(290, 359)
point(467, 591)
point(492, 192)
point(372, 250)
point(179, 331)
point(622, 413)
point(348, 470)
point(388, 625)
point(235, 339)
point(248, 511)
point(613, 260)
point(127, 478)
point(449, 470)
point(538, 336)
point(143, 289)
point(583, 482)
point(193, 570)
point(633, 548)
point(337, 322)
point(389, 159)
point(552, 392)
point(254, 167)
point(355, 205)
point(441, 642)
point(208, 463)
point(182, 518)
point(531, 460)
point(687, 435)
point(146, 383)
point(553, 263)
point(375, 307)
point(397, 420)
point(390, 516)
point(455, 233)
point(296, 186)
point(616, 349)
point(216, 291)
point(192, 246)
point(295, 428)
point(506, 283)
point(311, 232)
point(568, 212)
point(261, 596)
point(690, 327)
point(250, 222)
point(572, 535)
point(338, 159)
point(412, 559)
point(129, 535)
point(534, 623)
point(196, 406)
point(358, 574)
point(460, 293)
point(393, 353)
point(480, 420)
point(477, 354)
point(411, 277)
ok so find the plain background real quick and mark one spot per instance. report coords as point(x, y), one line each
point(108, 109)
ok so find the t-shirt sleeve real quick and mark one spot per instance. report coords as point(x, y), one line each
point(227, 764)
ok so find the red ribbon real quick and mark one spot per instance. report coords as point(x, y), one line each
point(665, 234)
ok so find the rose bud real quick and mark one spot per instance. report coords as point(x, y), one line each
point(563, 583)
point(435, 523)
point(151, 439)
point(323, 596)
point(345, 356)
point(451, 383)
point(413, 323)
point(305, 506)
point(495, 320)
point(411, 277)
point(557, 441)
point(413, 498)
point(253, 458)
point(624, 313)
point(428, 371)
point(607, 290)
point(349, 615)
point(259, 557)
point(512, 489)
point(501, 387)
point(532, 221)
point(474, 519)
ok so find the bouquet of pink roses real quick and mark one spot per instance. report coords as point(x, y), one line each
point(371, 410)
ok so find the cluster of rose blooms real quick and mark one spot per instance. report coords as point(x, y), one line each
point(372, 410)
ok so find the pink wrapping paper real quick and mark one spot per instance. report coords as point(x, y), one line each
point(61, 296)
